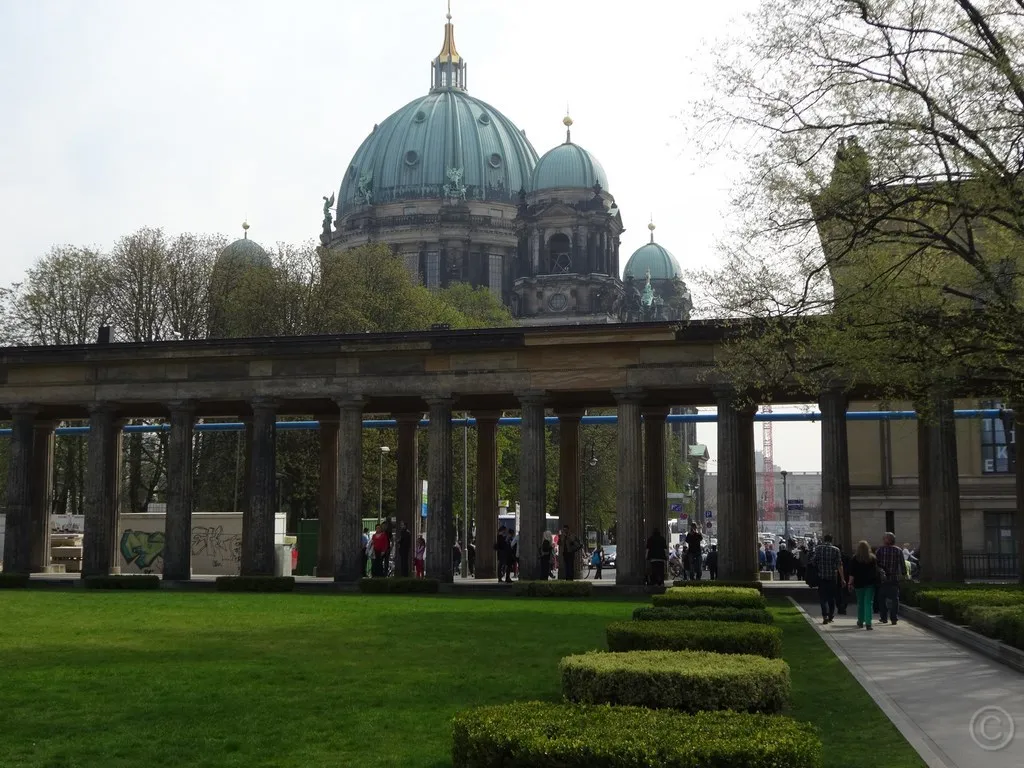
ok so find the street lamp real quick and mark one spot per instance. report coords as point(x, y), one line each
point(592, 462)
point(785, 507)
point(384, 451)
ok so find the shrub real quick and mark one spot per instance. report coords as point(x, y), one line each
point(13, 580)
point(1003, 623)
point(686, 680)
point(735, 597)
point(717, 636)
point(541, 735)
point(398, 585)
point(255, 583)
point(124, 581)
point(715, 583)
point(952, 604)
point(553, 589)
point(702, 613)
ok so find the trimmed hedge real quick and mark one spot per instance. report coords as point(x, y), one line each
point(702, 613)
point(717, 636)
point(1003, 623)
point(910, 591)
point(715, 583)
point(124, 581)
point(554, 588)
point(735, 597)
point(540, 735)
point(255, 583)
point(952, 604)
point(689, 681)
point(13, 580)
point(398, 585)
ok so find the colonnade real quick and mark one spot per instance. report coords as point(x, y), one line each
point(640, 497)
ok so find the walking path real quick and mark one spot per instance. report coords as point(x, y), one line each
point(957, 708)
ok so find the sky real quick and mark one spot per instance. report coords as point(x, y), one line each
point(194, 116)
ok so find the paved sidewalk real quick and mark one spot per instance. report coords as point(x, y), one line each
point(945, 699)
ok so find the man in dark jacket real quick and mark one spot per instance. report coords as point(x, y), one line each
point(404, 549)
point(503, 550)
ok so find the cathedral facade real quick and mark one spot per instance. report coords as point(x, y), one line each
point(461, 195)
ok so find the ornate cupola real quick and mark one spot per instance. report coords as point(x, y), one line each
point(448, 70)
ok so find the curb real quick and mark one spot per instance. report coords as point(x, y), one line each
point(986, 646)
point(917, 738)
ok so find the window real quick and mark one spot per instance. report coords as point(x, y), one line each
point(494, 270)
point(999, 534)
point(997, 441)
point(433, 275)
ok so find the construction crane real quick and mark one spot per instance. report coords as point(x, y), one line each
point(769, 466)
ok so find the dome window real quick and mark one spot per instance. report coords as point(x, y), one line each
point(411, 157)
point(484, 119)
point(419, 117)
point(494, 160)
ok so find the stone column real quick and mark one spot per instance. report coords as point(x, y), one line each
point(569, 478)
point(18, 536)
point(407, 495)
point(258, 517)
point(486, 492)
point(347, 534)
point(945, 562)
point(532, 484)
point(101, 488)
point(630, 563)
point(178, 526)
point(327, 501)
point(42, 494)
point(440, 520)
point(924, 483)
point(655, 485)
point(737, 499)
point(1017, 406)
point(835, 470)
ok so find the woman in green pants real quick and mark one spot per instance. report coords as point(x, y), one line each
point(863, 579)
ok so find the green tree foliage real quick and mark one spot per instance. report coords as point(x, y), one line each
point(883, 214)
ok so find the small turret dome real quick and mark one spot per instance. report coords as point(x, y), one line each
point(243, 253)
point(568, 166)
point(653, 257)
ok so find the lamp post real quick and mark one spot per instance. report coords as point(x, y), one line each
point(384, 451)
point(465, 497)
point(785, 508)
point(592, 462)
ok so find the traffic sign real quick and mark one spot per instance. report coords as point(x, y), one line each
point(676, 507)
point(795, 505)
point(709, 525)
point(708, 514)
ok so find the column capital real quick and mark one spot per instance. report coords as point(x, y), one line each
point(570, 414)
point(181, 406)
point(408, 418)
point(440, 400)
point(532, 397)
point(628, 396)
point(263, 404)
point(486, 416)
point(655, 412)
point(350, 402)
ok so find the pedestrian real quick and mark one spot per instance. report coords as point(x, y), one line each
point(657, 553)
point(893, 564)
point(456, 557)
point(712, 562)
point(503, 552)
point(404, 549)
point(863, 579)
point(828, 563)
point(694, 541)
point(379, 546)
point(420, 557)
point(471, 554)
point(569, 545)
point(365, 555)
point(547, 548)
point(597, 560)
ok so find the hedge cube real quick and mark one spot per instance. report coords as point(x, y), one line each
point(735, 597)
point(716, 583)
point(542, 735)
point(689, 681)
point(702, 613)
point(716, 636)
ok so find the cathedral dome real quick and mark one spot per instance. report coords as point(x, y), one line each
point(445, 144)
point(660, 261)
point(243, 253)
point(568, 166)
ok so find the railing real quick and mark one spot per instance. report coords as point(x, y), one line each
point(985, 566)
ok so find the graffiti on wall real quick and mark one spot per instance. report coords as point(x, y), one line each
point(142, 548)
point(212, 542)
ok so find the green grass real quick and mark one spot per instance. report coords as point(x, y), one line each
point(215, 679)
point(853, 730)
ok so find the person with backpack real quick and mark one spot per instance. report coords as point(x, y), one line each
point(597, 560)
point(864, 577)
point(569, 545)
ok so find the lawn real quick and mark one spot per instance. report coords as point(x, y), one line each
point(197, 679)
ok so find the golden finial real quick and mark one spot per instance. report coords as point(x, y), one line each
point(651, 227)
point(245, 229)
point(449, 16)
point(567, 122)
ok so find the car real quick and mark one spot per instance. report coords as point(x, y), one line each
point(609, 556)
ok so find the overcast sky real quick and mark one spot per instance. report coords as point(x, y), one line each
point(193, 116)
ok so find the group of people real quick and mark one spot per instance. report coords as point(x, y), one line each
point(561, 549)
point(866, 573)
point(686, 558)
point(385, 551)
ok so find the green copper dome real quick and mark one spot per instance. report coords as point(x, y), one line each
point(243, 253)
point(661, 262)
point(445, 145)
point(568, 166)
